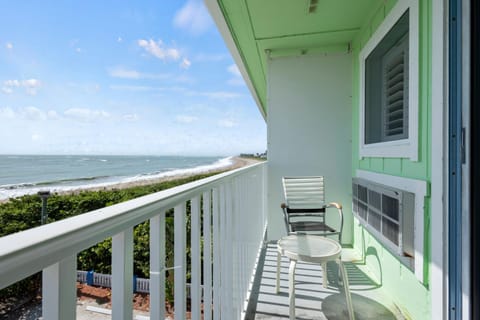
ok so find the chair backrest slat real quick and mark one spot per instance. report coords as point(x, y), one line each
point(304, 192)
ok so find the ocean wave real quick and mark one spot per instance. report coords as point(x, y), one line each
point(170, 172)
point(49, 183)
point(70, 185)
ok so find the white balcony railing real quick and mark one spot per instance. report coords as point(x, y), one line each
point(232, 208)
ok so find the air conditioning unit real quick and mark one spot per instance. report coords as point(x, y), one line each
point(387, 213)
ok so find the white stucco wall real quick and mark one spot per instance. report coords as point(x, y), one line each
point(309, 129)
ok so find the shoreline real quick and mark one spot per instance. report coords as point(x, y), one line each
point(236, 162)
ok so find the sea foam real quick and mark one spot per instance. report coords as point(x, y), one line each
point(17, 190)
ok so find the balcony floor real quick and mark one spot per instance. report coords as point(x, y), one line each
point(312, 300)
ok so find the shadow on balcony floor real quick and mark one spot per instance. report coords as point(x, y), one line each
point(312, 300)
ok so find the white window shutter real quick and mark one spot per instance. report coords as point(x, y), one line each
point(395, 92)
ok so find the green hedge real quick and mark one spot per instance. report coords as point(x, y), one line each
point(24, 212)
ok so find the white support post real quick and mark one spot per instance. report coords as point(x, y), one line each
point(207, 257)
point(228, 266)
point(122, 275)
point(223, 254)
point(195, 289)
point(180, 262)
point(237, 263)
point(217, 266)
point(59, 293)
point(291, 289)
point(157, 265)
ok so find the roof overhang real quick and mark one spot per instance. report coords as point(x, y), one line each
point(255, 31)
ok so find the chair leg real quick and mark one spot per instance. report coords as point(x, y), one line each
point(277, 285)
point(325, 279)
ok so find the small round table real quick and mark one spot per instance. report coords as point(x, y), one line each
point(313, 249)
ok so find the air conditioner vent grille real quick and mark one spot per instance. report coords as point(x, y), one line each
point(386, 212)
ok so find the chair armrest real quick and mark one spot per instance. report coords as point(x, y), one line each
point(334, 205)
point(338, 206)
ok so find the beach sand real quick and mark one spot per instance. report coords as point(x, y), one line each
point(237, 162)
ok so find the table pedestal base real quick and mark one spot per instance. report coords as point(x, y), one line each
point(291, 285)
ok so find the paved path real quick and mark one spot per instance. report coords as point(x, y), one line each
point(33, 311)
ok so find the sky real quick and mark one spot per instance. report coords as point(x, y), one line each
point(121, 77)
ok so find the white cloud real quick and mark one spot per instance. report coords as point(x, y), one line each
point(84, 114)
point(193, 17)
point(12, 83)
point(33, 113)
point(233, 69)
point(119, 39)
point(31, 86)
point(36, 137)
point(159, 50)
point(52, 114)
point(31, 83)
point(185, 63)
point(28, 113)
point(226, 123)
point(186, 119)
point(7, 90)
point(237, 79)
point(9, 45)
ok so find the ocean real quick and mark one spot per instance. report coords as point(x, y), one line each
point(28, 174)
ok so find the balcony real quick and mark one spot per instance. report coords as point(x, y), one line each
point(228, 211)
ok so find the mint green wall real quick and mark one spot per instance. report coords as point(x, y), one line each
point(412, 297)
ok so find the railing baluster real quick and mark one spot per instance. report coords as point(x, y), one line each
point(234, 221)
point(217, 267)
point(59, 293)
point(122, 275)
point(157, 265)
point(207, 257)
point(228, 269)
point(195, 259)
point(223, 249)
point(180, 261)
point(240, 242)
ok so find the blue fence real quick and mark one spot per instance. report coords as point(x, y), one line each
point(105, 280)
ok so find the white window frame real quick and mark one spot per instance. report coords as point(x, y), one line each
point(404, 148)
point(420, 189)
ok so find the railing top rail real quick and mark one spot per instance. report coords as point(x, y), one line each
point(27, 252)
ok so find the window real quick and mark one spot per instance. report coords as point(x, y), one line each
point(389, 87)
point(386, 87)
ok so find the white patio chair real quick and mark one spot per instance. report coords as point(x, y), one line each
point(305, 210)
